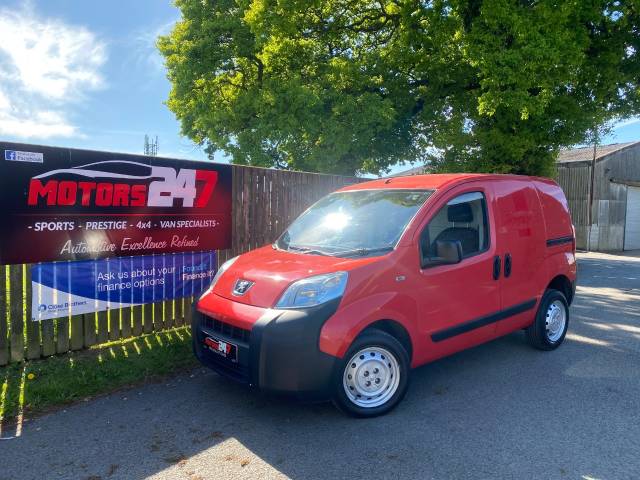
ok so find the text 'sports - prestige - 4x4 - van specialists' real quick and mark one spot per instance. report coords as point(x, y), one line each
point(366, 285)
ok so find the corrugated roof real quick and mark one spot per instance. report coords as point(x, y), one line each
point(586, 153)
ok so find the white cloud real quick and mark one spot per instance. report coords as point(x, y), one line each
point(46, 67)
point(43, 124)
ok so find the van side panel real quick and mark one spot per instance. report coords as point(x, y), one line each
point(560, 259)
point(556, 211)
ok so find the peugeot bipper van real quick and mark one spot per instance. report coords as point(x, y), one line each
point(384, 276)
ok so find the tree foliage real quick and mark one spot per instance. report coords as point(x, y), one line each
point(350, 86)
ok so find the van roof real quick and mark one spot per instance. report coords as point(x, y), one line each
point(432, 181)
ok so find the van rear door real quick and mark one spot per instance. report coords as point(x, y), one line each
point(520, 245)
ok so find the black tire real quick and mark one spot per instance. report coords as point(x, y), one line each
point(372, 339)
point(537, 333)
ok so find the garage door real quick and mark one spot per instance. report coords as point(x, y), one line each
point(632, 226)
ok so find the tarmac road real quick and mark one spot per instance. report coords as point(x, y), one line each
point(501, 410)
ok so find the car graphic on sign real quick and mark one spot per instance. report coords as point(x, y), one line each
point(108, 169)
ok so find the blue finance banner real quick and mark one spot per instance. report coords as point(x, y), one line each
point(70, 288)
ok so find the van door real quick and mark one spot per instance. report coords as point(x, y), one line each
point(520, 245)
point(457, 301)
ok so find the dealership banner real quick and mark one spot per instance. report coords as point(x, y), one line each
point(66, 204)
point(70, 288)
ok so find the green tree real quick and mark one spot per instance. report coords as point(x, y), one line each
point(348, 86)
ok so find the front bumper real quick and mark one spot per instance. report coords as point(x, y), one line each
point(280, 353)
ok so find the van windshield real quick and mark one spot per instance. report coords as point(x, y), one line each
point(355, 223)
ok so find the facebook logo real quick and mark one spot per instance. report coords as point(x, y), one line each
point(16, 156)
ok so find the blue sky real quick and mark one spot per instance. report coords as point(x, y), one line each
point(86, 74)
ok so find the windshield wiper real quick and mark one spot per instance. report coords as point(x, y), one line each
point(310, 250)
point(361, 252)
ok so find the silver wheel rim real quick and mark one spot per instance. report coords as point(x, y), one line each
point(555, 320)
point(371, 377)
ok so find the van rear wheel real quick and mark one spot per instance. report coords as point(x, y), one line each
point(373, 376)
point(552, 320)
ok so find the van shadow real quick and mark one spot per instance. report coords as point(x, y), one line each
point(488, 412)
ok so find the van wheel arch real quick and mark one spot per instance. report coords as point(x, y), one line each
point(396, 330)
point(563, 285)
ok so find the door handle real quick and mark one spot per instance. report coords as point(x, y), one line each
point(507, 265)
point(496, 267)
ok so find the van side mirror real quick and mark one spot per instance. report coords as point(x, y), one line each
point(448, 252)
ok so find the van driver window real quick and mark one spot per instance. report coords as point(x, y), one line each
point(463, 218)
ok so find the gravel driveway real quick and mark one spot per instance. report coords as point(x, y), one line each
point(501, 410)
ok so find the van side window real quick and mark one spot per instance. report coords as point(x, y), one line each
point(463, 218)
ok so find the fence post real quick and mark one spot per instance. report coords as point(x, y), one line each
point(136, 314)
point(33, 327)
point(125, 319)
point(147, 318)
point(156, 309)
point(178, 318)
point(16, 313)
point(89, 329)
point(77, 332)
point(114, 324)
point(103, 326)
point(48, 337)
point(4, 318)
point(62, 335)
point(188, 313)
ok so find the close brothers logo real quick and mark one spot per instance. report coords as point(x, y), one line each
point(43, 307)
point(102, 184)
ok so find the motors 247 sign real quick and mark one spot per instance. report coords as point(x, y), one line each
point(65, 204)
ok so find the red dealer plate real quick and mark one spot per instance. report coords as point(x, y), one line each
point(226, 349)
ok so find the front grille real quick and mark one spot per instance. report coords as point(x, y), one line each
point(233, 370)
point(226, 329)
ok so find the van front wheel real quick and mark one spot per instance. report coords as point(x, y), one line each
point(552, 320)
point(373, 376)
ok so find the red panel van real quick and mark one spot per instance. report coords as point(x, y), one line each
point(384, 276)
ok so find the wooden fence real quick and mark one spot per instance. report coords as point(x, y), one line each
point(264, 202)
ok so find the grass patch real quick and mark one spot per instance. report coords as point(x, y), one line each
point(35, 386)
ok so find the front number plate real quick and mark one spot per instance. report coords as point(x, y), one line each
point(225, 349)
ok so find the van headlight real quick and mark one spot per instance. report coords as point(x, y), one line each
point(313, 291)
point(223, 268)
